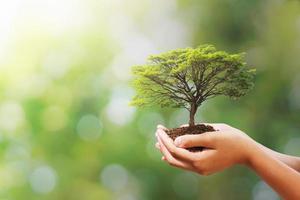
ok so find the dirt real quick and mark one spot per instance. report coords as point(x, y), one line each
point(193, 130)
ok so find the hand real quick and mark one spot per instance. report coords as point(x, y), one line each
point(226, 147)
point(223, 148)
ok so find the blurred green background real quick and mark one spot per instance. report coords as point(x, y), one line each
point(66, 130)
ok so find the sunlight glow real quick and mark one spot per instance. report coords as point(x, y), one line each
point(58, 16)
point(8, 13)
point(11, 116)
point(118, 110)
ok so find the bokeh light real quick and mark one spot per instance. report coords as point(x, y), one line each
point(89, 127)
point(11, 116)
point(43, 179)
point(118, 110)
point(66, 128)
point(114, 177)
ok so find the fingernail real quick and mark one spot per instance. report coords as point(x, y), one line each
point(177, 141)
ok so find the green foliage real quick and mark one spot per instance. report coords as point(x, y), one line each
point(50, 81)
point(186, 77)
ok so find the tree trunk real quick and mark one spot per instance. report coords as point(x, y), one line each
point(192, 114)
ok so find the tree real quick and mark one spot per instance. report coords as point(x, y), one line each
point(187, 77)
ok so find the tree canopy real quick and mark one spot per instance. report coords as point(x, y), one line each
point(187, 77)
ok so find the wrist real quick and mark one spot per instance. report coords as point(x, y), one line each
point(253, 151)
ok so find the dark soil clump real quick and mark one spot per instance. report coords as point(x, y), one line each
point(193, 130)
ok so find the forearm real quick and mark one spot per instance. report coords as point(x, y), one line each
point(283, 179)
point(291, 161)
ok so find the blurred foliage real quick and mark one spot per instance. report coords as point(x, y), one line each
point(66, 130)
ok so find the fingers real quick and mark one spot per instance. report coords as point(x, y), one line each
point(219, 126)
point(159, 126)
point(167, 156)
point(216, 126)
point(176, 152)
point(157, 145)
point(207, 140)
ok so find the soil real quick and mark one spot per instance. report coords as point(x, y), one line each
point(190, 130)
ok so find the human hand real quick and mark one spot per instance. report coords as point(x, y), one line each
point(223, 148)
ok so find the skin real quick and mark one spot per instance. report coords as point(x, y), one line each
point(227, 147)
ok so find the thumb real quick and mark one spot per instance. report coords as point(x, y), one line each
point(206, 139)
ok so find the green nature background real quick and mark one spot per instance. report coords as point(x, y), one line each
point(66, 130)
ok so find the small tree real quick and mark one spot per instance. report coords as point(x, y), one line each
point(187, 77)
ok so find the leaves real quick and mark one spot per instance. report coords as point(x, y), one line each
point(182, 77)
